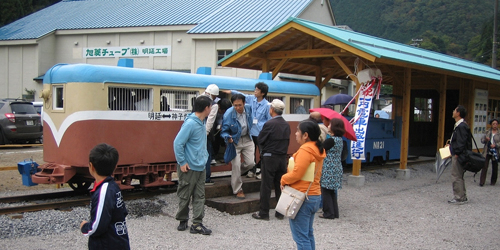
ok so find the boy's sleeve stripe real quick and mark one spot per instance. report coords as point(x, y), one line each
point(100, 206)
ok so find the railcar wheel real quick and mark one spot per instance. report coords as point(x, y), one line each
point(379, 160)
point(80, 187)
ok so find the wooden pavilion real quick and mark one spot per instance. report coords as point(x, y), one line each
point(306, 48)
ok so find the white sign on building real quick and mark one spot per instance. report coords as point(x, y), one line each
point(99, 52)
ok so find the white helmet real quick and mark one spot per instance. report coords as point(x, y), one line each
point(212, 89)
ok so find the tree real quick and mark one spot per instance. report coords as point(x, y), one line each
point(12, 10)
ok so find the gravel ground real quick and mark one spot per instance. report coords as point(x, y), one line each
point(386, 213)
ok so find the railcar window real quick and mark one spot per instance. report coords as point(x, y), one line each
point(299, 105)
point(176, 100)
point(223, 53)
point(129, 99)
point(270, 98)
point(423, 110)
point(58, 97)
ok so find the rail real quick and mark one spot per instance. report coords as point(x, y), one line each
point(40, 200)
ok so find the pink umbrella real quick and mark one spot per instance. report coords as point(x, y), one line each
point(330, 114)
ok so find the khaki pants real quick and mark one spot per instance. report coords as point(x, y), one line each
point(191, 184)
point(457, 177)
point(244, 149)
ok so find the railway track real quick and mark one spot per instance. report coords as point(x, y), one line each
point(39, 202)
point(21, 145)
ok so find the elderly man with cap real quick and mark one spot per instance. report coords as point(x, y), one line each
point(211, 91)
point(274, 139)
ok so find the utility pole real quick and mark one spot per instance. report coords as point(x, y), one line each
point(494, 51)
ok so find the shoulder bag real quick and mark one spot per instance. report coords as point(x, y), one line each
point(474, 160)
point(291, 199)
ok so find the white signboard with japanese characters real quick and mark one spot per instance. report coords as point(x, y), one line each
point(480, 114)
point(127, 51)
point(360, 126)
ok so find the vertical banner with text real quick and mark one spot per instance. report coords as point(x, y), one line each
point(360, 126)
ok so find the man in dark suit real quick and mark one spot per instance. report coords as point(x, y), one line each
point(274, 139)
point(459, 143)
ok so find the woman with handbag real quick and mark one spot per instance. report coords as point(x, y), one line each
point(310, 151)
point(491, 141)
point(331, 175)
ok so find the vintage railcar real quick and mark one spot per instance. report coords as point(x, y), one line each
point(383, 141)
point(138, 111)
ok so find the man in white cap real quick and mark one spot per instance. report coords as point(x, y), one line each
point(274, 139)
point(211, 91)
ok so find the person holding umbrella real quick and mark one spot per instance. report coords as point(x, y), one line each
point(491, 141)
point(331, 175)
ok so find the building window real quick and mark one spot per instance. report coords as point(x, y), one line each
point(58, 97)
point(129, 99)
point(177, 100)
point(223, 53)
point(423, 110)
point(493, 110)
point(299, 105)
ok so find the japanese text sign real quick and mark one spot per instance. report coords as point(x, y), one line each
point(128, 51)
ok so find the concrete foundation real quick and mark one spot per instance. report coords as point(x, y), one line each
point(403, 174)
point(356, 180)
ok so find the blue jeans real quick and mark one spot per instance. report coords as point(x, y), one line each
point(302, 225)
point(209, 160)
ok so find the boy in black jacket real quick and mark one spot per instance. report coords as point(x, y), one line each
point(107, 228)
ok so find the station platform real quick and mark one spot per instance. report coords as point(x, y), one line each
point(221, 197)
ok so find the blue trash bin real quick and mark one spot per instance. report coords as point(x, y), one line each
point(27, 168)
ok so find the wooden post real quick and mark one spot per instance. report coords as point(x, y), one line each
point(265, 65)
point(442, 111)
point(356, 164)
point(406, 119)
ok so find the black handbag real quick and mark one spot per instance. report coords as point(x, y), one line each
point(474, 161)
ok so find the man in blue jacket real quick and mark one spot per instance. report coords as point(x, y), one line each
point(260, 112)
point(107, 228)
point(190, 147)
point(236, 127)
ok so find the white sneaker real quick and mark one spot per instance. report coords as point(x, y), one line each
point(213, 162)
point(259, 176)
point(250, 174)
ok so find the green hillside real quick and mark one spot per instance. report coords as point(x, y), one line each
point(446, 26)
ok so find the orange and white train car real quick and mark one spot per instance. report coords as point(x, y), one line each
point(138, 111)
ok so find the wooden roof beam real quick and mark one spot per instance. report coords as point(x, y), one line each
point(327, 78)
point(291, 54)
point(302, 53)
point(346, 69)
point(278, 67)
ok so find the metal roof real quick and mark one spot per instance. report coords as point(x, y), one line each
point(250, 16)
point(382, 48)
point(378, 50)
point(214, 16)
